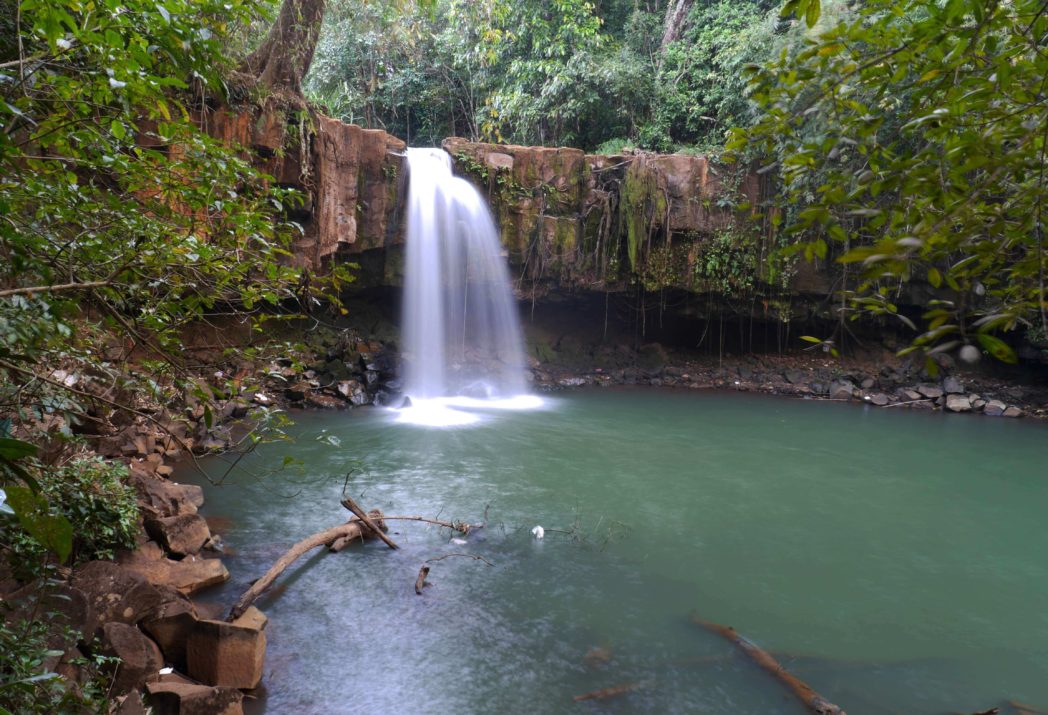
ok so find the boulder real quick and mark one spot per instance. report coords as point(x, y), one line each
point(130, 704)
point(930, 391)
point(952, 386)
point(187, 576)
point(178, 696)
point(228, 654)
point(298, 391)
point(1013, 411)
point(115, 593)
point(958, 403)
point(868, 383)
point(166, 498)
point(795, 377)
point(325, 402)
point(880, 399)
point(994, 408)
point(182, 535)
point(841, 390)
point(172, 625)
point(140, 658)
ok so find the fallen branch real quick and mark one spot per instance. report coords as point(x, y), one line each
point(349, 531)
point(341, 543)
point(355, 508)
point(815, 703)
point(459, 526)
point(605, 693)
point(420, 581)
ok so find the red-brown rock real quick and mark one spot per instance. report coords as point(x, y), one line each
point(229, 654)
point(181, 535)
point(140, 658)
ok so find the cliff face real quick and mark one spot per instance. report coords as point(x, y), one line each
point(347, 174)
point(569, 221)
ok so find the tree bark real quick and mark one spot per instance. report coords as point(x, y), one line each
point(283, 59)
point(673, 24)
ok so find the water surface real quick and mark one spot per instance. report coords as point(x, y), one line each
point(897, 561)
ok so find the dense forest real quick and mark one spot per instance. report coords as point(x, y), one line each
point(905, 142)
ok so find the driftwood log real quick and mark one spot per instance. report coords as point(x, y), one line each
point(815, 703)
point(332, 538)
point(348, 503)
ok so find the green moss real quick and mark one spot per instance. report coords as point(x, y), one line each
point(642, 201)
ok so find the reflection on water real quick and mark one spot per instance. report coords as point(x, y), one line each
point(895, 561)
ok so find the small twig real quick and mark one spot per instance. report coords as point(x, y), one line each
point(459, 526)
point(468, 556)
point(53, 288)
point(911, 402)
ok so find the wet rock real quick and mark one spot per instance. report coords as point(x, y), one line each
point(571, 381)
point(795, 377)
point(994, 408)
point(140, 658)
point(115, 593)
point(977, 403)
point(909, 395)
point(228, 654)
point(371, 377)
point(930, 391)
point(325, 402)
point(841, 390)
point(182, 535)
point(958, 403)
point(879, 399)
point(952, 386)
point(298, 391)
point(178, 696)
point(1013, 411)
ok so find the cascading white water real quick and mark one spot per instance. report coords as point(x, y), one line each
point(461, 335)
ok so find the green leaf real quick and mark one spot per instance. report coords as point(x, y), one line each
point(811, 15)
point(997, 347)
point(13, 449)
point(934, 277)
point(52, 531)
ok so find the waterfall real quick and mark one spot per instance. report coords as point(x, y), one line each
point(461, 335)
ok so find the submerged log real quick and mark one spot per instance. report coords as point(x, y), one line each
point(814, 702)
point(347, 532)
point(420, 581)
point(605, 693)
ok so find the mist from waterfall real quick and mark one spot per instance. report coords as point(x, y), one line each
point(461, 337)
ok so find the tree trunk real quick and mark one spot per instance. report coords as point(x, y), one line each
point(673, 25)
point(283, 58)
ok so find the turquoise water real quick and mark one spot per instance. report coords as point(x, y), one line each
point(896, 561)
